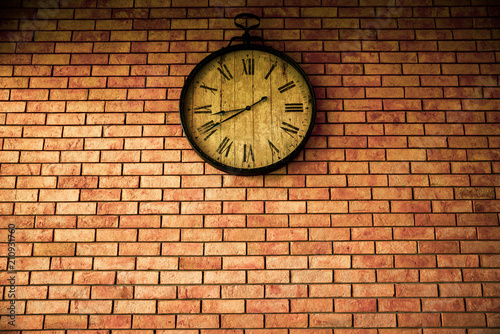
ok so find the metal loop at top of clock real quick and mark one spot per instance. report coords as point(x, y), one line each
point(246, 37)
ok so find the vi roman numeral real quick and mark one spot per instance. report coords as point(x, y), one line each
point(225, 146)
point(248, 153)
point(286, 86)
point(248, 66)
point(225, 72)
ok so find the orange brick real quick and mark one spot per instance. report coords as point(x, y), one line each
point(419, 319)
point(399, 305)
point(110, 321)
point(65, 321)
point(375, 320)
point(460, 319)
point(331, 320)
point(197, 321)
point(284, 320)
point(91, 306)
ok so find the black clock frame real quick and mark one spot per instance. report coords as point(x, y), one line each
point(235, 170)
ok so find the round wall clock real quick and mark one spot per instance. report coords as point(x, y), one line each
point(247, 109)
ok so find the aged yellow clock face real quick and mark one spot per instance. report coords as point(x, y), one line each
point(247, 110)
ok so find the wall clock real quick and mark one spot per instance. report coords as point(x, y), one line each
point(247, 108)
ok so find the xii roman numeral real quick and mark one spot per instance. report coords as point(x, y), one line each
point(224, 146)
point(248, 66)
point(294, 107)
point(286, 86)
point(225, 72)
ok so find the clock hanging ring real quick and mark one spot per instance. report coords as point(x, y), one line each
point(247, 109)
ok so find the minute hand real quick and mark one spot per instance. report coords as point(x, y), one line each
point(264, 98)
point(223, 112)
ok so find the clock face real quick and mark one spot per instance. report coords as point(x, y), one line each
point(247, 109)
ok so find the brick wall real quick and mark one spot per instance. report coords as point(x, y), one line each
point(387, 220)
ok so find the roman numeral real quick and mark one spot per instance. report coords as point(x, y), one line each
point(225, 72)
point(273, 148)
point(270, 70)
point(203, 109)
point(249, 155)
point(248, 66)
point(286, 86)
point(209, 88)
point(290, 129)
point(208, 128)
point(224, 146)
point(294, 107)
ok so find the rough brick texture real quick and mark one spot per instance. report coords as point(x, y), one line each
point(387, 220)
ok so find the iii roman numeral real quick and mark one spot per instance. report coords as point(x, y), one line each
point(273, 148)
point(270, 70)
point(225, 72)
point(294, 107)
point(286, 86)
point(248, 66)
point(208, 128)
point(290, 129)
point(248, 156)
point(203, 109)
point(224, 146)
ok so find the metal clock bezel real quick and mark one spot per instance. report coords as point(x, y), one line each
point(245, 171)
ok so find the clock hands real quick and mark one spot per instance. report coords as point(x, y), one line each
point(209, 127)
point(223, 112)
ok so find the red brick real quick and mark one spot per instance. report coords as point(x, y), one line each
point(331, 320)
point(416, 290)
point(463, 319)
point(373, 290)
point(284, 320)
point(419, 320)
point(375, 320)
point(355, 305)
point(399, 305)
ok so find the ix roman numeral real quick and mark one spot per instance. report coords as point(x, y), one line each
point(203, 109)
point(269, 73)
point(224, 146)
point(290, 129)
point(286, 86)
point(294, 107)
point(209, 127)
point(249, 66)
point(225, 72)
point(249, 155)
